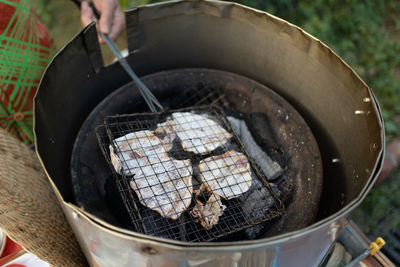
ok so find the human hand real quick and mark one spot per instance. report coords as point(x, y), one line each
point(112, 20)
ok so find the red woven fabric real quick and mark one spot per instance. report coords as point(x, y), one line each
point(25, 50)
point(10, 248)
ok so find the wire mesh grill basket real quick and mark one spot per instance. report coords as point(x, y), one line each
point(184, 174)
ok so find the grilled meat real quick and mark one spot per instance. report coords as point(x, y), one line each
point(169, 190)
point(162, 184)
point(227, 175)
point(208, 214)
point(197, 133)
point(167, 131)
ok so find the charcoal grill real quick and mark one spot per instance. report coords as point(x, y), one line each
point(214, 35)
point(237, 215)
point(176, 89)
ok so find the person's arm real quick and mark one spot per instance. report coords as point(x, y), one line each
point(112, 20)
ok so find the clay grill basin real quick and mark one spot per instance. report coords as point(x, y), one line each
point(303, 105)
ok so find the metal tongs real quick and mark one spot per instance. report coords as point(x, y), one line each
point(148, 96)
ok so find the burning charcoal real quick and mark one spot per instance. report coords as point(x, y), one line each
point(156, 225)
point(252, 232)
point(257, 201)
point(270, 168)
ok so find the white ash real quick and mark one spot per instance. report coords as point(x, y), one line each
point(270, 168)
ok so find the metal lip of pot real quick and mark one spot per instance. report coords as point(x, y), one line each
point(309, 75)
point(212, 245)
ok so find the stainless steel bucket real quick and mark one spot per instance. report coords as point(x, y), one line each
point(339, 107)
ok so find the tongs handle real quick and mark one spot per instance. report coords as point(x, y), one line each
point(148, 96)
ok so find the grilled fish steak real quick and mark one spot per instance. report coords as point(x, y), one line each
point(227, 175)
point(137, 151)
point(197, 133)
point(167, 131)
point(169, 192)
point(162, 184)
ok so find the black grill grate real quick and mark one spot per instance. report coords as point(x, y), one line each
point(165, 204)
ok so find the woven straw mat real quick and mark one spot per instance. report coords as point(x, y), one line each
point(29, 210)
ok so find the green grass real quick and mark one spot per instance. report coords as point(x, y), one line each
point(366, 34)
point(62, 19)
point(380, 211)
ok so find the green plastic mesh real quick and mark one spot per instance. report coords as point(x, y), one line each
point(25, 51)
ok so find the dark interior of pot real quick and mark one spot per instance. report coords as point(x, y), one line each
point(276, 126)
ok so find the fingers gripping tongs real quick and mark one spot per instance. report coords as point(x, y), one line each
point(148, 96)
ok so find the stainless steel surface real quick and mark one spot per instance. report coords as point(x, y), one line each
point(358, 259)
point(339, 107)
point(107, 247)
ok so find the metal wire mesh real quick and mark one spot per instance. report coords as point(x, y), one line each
point(184, 174)
point(197, 97)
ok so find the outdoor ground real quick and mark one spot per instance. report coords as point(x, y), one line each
point(366, 34)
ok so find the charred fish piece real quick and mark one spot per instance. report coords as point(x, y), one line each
point(208, 213)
